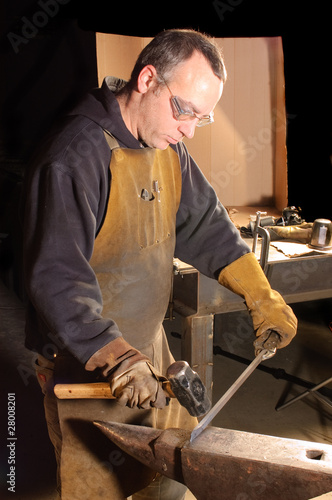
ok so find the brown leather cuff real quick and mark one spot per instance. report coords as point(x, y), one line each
point(112, 355)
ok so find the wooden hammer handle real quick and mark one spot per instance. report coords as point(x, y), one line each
point(95, 390)
point(99, 390)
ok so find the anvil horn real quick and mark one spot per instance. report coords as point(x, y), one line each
point(228, 464)
point(160, 450)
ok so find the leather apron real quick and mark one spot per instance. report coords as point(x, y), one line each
point(133, 261)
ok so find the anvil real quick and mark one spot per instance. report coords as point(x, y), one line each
point(227, 464)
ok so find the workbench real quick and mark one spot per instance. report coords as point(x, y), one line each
point(197, 298)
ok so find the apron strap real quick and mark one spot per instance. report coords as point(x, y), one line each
point(111, 141)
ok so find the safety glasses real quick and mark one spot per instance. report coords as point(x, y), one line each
point(182, 112)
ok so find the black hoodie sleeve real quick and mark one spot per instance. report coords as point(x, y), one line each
point(206, 237)
point(65, 202)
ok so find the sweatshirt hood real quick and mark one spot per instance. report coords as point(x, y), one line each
point(101, 106)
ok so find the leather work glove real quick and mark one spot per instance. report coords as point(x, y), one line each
point(298, 233)
point(267, 308)
point(138, 386)
point(133, 379)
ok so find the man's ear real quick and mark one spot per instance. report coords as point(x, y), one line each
point(146, 79)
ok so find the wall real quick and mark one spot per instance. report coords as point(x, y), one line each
point(243, 154)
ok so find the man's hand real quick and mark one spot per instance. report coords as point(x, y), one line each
point(133, 379)
point(266, 306)
point(139, 386)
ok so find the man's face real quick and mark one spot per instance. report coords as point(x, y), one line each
point(194, 83)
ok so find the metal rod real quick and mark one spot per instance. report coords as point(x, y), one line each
point(305, 393)
point(322, 399)
point(258, 220)
point(228, 394)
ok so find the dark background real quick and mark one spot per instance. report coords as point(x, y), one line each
point(48, 60)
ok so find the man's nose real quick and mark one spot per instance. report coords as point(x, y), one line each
point(187, 128)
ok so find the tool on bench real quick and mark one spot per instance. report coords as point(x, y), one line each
point(262, 355)
point(182, 383)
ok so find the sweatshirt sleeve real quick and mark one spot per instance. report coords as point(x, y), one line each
point(206, 237)
point(61, 221)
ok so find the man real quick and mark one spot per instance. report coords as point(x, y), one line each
point(113, 196)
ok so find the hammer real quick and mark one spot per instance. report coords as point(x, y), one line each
point(182, 383)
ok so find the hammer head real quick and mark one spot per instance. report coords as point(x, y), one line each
point(188, 388)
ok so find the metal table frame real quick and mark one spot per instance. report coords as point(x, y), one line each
point(197, 299)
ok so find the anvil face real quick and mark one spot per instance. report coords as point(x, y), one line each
point(228, 464)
